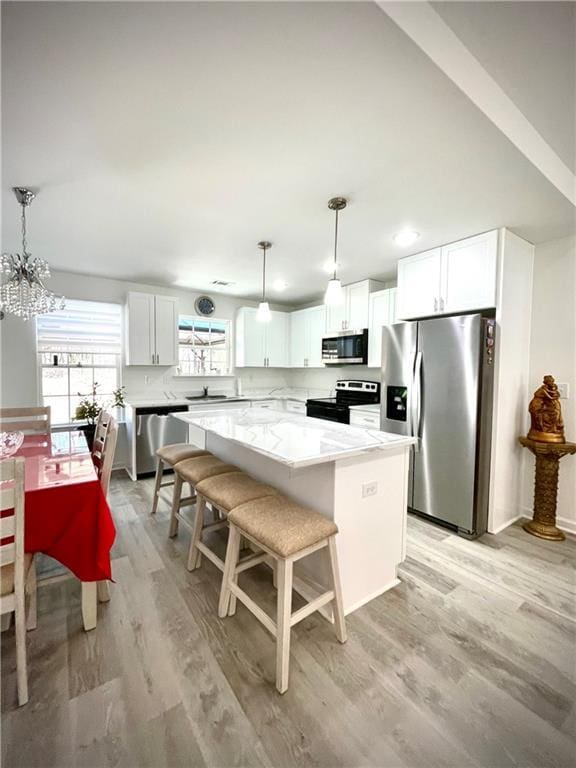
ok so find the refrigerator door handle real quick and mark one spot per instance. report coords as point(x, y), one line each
point(416, 400)
point(139, 427)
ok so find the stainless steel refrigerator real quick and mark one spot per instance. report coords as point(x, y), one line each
point(437, 385)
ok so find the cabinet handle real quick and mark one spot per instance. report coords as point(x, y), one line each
point(441, 305)
point(152, 358)
point(435, 305)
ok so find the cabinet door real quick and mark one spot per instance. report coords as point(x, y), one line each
point(250, 339)
point(166, 330)
point(358, 298)
point(336, 314)
point(379, 317)
point(418, 285)
point(140, 346)
point(393, 305)
point(469, 273)
point(298, 338)
point(316, 324)
point(277, 340)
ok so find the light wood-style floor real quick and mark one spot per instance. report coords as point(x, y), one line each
point(471, 661)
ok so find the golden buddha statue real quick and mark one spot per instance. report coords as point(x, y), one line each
point(546, 414)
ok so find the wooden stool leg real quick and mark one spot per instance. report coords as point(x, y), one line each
point(175, 505)
point(283, 615)
point(159, 473)
point(194, 555)
point(338, 607)
point(32, 591)
point(229, 575)
point(21, 666)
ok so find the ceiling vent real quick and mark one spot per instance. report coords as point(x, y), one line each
point(222, 283)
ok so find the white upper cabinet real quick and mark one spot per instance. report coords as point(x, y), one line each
point(469, 273)
point(152, 329)
point(353, 313)
point(455, 278)
point(306, 330)
point(419, 284)
point(382, 312)
point(166, 330)
point(262, 345)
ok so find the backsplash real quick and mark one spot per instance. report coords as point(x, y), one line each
point(151, 381)
point(326, 378)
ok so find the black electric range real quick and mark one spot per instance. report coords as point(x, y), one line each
point(348, 392)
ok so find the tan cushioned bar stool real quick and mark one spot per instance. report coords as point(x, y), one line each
point(287, 532)
point(169, 455)
point(193, 471)
point(222, 492)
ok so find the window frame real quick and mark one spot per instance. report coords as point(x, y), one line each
point(103, 398)
point(228, 347)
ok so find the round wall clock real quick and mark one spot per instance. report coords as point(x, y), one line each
point(204, 305)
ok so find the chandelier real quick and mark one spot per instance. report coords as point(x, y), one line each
point(24, 293)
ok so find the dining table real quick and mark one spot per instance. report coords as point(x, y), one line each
point(66, 514)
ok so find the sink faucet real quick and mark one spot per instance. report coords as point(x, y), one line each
point(205, 389)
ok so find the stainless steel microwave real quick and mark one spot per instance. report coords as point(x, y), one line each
point(345, 348)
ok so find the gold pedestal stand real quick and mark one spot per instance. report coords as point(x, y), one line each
point(548, 455)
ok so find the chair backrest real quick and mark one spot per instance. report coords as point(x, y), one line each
point(12, 526)
point(107, 455)
point(102, 425)
point(25, 420)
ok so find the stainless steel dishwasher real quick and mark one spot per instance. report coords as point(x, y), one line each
point(156, 427)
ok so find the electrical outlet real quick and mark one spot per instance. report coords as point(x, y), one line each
point(369, 489)
point(564, 389)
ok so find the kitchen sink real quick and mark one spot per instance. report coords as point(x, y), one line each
point(207, 397)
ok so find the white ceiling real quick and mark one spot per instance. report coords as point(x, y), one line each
point(168, 138)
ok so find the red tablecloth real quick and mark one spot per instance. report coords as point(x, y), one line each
point(66, 514)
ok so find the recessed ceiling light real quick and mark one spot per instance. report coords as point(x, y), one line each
point(329, 267)
point(279, 285)
point(406, 237)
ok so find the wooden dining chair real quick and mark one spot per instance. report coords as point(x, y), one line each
point(17, 574)
point(100, 432)
point(28, 420)
point(106, 452)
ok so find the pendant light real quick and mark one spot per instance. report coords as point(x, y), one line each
point(334, 294)
point(24, 293)
point(263, 314)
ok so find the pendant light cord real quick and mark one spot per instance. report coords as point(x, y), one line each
point(335, 244)
point(23, 219)
point(264, 277)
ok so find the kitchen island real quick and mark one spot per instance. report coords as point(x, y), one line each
point(356, 477)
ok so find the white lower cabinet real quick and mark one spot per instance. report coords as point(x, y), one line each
point(294, 406)
point(458, 277)
point(366, 419)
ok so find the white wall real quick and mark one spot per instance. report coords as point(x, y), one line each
point(19, 380)
point(553, 350)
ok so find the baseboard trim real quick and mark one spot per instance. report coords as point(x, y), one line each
point(507, 523)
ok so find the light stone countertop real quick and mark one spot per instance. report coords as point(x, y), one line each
point(291, 439)
point(300, 396)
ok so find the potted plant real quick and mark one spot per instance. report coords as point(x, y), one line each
point(119, 402)
point(88, 410)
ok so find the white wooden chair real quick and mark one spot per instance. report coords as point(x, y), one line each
point(17, 573)
point(106, 454)
point(27, 420)
point(100, 431)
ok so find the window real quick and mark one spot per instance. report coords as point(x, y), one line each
point(78, 347)
point(203, 346)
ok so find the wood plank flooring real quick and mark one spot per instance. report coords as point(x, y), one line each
point(471, 661)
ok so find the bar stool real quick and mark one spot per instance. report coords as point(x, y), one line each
point(223, 493)
point(170, 455)
point(193, 471)
point(287, 532)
